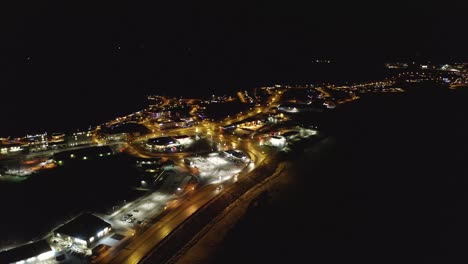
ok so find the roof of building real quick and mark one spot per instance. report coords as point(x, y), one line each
point(162, 141)
point(25, 251)
point(127, 127)
point(83, 226)
point(83, 152)
point(181, 137)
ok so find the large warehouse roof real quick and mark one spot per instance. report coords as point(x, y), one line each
point(83, 226)
point(25, 251)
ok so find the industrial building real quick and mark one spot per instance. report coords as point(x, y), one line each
point(84, 230)
point(32, 252)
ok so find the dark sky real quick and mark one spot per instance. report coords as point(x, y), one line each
point(85, 51)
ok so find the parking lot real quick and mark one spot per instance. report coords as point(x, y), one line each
point(137, 212)
point(217, 167)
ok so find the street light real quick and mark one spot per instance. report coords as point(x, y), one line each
point(211, 140)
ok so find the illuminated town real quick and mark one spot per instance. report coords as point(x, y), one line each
point(233, 132)
point(190, 158)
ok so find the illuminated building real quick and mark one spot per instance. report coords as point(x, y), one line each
point(84, 230)
point(184, 139)
point(122, 137)
point(172, 124)
point(163, 144)
point(79, 138)
point(11, 148)
point(57, 140)
point(37, 142)
point(33, 252)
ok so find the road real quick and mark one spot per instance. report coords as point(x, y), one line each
point(136, 248)
point(139, 241)
point(132, 250)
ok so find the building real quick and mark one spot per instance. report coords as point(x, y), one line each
point(79, 138)
point(118, 137)
point(57, 141)
point(163, 144)
point(84, 230)
point(168, 124)
point(275, 141)
point(149, 164)
point(184, 139)
point(37, 142)
point(11, 148)
point(32, 252)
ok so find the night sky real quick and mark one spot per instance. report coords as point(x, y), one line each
point(79, 57)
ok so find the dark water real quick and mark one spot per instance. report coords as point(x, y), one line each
point(391, 188)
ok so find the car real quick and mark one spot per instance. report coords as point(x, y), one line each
point(136, 210)
point(188, 162)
